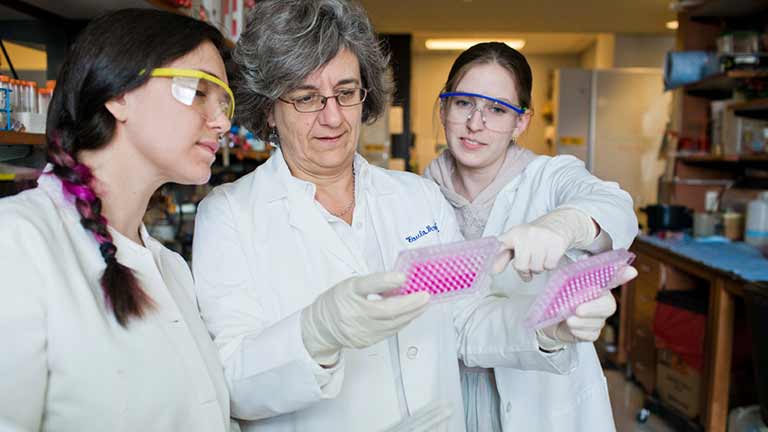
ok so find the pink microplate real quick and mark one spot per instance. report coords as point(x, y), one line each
point(448, 269)
point(574, 284)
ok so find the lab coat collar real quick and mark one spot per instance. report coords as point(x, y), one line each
point(51, 185)
point(127, 250)
point(303, 213)
point(370, 179)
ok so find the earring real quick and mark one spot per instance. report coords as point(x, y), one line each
point(273, 138)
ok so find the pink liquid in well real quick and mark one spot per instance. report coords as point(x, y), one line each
point(580, 289)
point(442, 275)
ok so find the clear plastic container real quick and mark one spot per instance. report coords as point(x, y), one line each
point(43, 100)
point(32, 97)
point(448, 270)
point(574, 284)
point(26, 94)
point(746, 419)
point(741, 42)
point(756, 228)
point(14, 94)
point(21, 94)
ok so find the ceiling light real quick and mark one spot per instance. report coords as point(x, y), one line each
point(672, 25)
point(462, 44)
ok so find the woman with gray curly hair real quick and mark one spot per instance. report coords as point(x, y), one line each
point(287, 258)
point(285, 42)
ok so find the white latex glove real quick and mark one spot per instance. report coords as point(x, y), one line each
point(429, 418)
point(538, 246)
point(588, 321)
point(343, 317)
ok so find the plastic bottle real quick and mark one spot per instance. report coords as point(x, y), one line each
point(32, 97)
point(22, 95)
point(14, 94)
point(43, 99)
point(756, 230)
point(26, 90)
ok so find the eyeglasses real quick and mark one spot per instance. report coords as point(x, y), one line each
point(207, 94)
point(314, 102)
point(497, 115)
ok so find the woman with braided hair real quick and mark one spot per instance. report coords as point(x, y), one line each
point(99, 320)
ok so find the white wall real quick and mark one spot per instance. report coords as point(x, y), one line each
point(641, 50)
point(600, 54)
point(430, 71)
point(626, 50)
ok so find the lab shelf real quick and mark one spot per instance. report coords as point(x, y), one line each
point(160, 4)
point(21, 138)
point(719, 10)
point(720, 86)
point(756, 109)
point(710, 158)
point(250, 154)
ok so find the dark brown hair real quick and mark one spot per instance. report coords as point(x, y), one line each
point(107, 60)
point(498, 53)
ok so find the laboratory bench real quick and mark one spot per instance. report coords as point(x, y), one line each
point(721, 270)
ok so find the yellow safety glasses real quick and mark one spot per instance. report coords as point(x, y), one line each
point(207, 94)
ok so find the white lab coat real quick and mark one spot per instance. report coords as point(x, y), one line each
point(263, 251)
point(536, 401)
point(66, 364)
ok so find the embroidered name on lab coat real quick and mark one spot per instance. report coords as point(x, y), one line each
point(422, 232)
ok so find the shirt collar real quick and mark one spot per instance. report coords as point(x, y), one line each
point(279, 168)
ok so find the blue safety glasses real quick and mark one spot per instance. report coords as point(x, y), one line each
point(497, 115)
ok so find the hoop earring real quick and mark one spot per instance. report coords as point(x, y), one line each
point(274, 138)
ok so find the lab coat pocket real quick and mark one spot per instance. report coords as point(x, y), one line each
point(590, 409)
point(189, 355)
point(119, 400)
point(419, 346)
point(211, 412)
point(590, 392)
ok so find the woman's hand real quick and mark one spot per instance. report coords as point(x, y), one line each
point(532, 249)
point(538, 246)
point(344, 317)
point(588, 319)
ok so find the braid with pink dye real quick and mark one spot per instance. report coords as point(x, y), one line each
point(107, 61)
point(122, 291)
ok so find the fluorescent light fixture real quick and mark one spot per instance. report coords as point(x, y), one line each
point(672, 25)
point(462, 44)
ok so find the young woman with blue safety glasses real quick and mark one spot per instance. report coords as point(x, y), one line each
point(100, 325)
point(546, 211)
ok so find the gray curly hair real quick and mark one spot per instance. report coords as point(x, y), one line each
point(286, 40)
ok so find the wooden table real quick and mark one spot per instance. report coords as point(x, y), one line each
point(724, 287)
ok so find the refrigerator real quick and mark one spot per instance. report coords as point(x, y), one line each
point(614, 120)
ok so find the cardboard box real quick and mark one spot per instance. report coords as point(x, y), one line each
point(678, 384)
point(742, 135)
